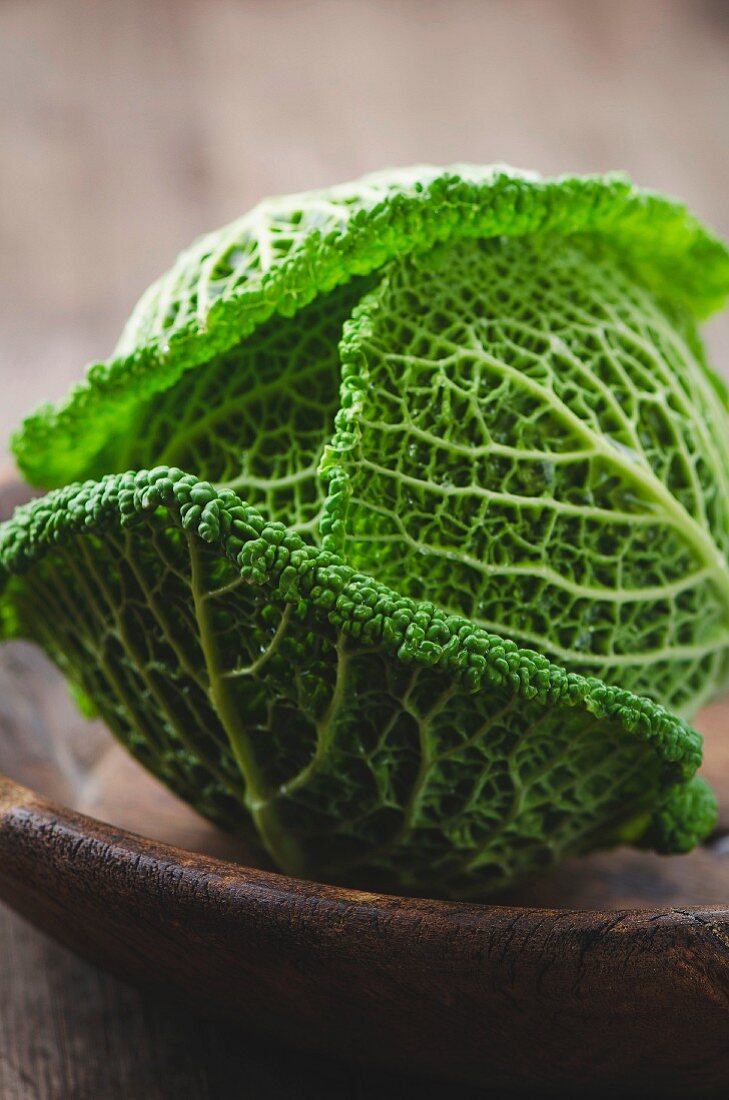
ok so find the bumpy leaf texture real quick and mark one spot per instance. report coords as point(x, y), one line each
point(530, 434)
point(366, 737)
point(478, 406)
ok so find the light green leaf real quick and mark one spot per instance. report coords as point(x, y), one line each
point(290, 250)
point(528, 438)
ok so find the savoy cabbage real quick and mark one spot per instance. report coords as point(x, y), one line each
point(430, 525)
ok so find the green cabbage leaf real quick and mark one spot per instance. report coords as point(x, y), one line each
point(361, 736)
point(530, 434)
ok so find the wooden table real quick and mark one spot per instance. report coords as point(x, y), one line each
point(129, 127)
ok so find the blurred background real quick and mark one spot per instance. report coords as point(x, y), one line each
point(130, 126)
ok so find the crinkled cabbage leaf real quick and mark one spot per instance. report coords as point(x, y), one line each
point(363, 737)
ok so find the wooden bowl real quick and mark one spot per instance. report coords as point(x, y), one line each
point(612, 973)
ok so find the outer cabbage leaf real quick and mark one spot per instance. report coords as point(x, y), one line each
point(364, 736)
point(529, 437)
point(290, 250)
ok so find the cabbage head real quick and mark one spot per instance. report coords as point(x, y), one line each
point(395, 534)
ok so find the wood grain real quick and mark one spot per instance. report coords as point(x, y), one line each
point(560, 999)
